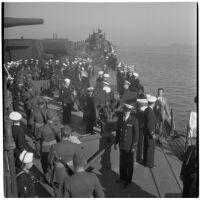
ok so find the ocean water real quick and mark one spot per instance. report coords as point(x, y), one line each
point(171, 67)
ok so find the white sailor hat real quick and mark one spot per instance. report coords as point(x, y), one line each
point(148, 95)
point(67, 80)
point(106, 83)
point(15, 116)
point(101, 73)
point(10, 78)
point(57, 61)
point(107, 89)
point(127, 82)
point(136, 74)
point(142, 108)
point(142, 101)
point(151, 99)
point(128, 106)
point(106, 75)
point(26, 157)
point(82, 68)
point(90, 89)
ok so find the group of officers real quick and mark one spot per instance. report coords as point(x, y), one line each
point(139, 125)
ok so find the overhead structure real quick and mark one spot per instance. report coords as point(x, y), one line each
point(12, 22)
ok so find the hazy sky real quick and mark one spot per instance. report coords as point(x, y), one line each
point(123, 23)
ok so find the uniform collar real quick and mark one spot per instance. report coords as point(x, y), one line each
point(16, 124)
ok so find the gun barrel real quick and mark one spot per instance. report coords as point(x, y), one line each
point(11, 22)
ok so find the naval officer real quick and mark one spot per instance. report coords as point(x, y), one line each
point(90, 111)
point(66, 98)
point(127, 136)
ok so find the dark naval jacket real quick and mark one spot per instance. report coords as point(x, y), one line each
point(127, 132)
point(149, 121)
point(25, 185)
point(83, 184)
point(65, 95)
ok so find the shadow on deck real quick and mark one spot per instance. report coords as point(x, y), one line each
point(116, 190)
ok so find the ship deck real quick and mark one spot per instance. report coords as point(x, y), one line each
point(162, 181)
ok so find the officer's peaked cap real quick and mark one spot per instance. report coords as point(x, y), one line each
point(151, 99)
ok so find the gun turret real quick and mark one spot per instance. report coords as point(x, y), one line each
point(11, 22)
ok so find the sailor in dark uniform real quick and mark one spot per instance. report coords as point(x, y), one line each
point(121, 80)
point(127, 136)
point(99, 81)
point(82, 184)
point(66, 98)
point(25, 181)
point(90, 111)
point(131, 78)
point(61, 159)
point(126, 86)
point(138, 86)
point(149, 133)
point(18, 135)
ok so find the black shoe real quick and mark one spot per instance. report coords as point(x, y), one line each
point(119, 181)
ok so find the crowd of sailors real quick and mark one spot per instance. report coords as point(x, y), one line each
point(139, 122)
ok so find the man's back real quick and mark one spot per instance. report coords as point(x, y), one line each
point(66, 150)
point(83, 184)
